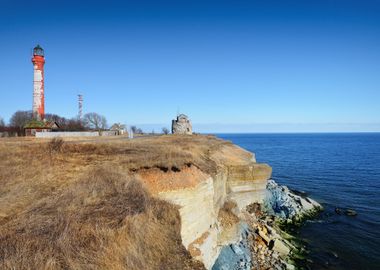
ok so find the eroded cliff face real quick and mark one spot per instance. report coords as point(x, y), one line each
point(88, 191)
point(208, 223)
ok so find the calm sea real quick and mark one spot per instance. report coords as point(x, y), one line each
point(338, 170)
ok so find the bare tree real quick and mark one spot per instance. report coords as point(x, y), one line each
point(165, 130)
point(2, 123)
point(20, 118)
point(95, 121)
point(74, 124)
point(134, 129)
point(61, 121)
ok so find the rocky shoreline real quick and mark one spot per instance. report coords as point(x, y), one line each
point(265, 242)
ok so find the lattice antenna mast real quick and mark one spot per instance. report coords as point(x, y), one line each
point(80, 106)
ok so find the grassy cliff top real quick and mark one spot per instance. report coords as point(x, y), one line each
point(76, 204)
point(168, 152)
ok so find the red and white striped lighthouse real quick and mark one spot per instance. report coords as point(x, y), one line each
point(38, 61)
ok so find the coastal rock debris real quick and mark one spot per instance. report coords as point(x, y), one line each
point(347, 212)
point(270, 247)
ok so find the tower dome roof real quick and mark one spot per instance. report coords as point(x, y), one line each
point(38, 50)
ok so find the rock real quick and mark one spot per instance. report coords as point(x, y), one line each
point(262, 232)
point(350, 212)
point(281, 248)
point(264, 229)
point(334, 254)
point(278, 267)
point(235, 256)
point(338, 211)
point(287, 205)
point(238, 250)
point(290, 266)
point(269, 247)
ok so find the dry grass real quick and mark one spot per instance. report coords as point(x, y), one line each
point(75, 205)
point(164, 152)
point(226, 215)
point(102, 221)
point(55, 145)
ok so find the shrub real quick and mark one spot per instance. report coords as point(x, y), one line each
point(55, 145)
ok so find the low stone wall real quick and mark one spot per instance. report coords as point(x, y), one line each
point(109, 133)
point(75, 134)
point(67, 134)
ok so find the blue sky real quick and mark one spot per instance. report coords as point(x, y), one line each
point(232, 66)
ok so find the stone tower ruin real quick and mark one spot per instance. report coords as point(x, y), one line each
point(182, 125)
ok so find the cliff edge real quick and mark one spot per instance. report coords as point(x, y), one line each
point(160, 202)
point(202, 196)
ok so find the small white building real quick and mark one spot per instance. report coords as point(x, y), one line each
point(119, 128)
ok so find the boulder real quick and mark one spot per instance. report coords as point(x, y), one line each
point(350, 212)
point(281, 248)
